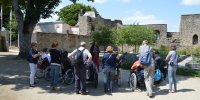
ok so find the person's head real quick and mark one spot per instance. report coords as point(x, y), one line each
point(34, 45)
point(144, 42)
point(54, 44)
point(109, 49)
point(45, 50)
point(173, 47)
point(82, 44)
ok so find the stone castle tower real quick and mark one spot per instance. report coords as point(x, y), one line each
point(190, 30)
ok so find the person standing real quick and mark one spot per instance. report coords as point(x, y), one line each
point(172, 67)
point(94, 50)
point(149, 70)
point(33, 57)
point(109, 64)
point(80, 70)
point(55, 65)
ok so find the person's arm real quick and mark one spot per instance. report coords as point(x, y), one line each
point(89, 56)
point(71, 54)
point(34, 55)
point(168, 56)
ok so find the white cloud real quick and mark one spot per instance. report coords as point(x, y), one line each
point(190, 2)
point(100, 1)
point(139, 17)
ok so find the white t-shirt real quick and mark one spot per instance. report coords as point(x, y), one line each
point(45, 55)
point(173, 57)
point(85, 52)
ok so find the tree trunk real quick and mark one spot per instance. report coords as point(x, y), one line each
point(25, 33)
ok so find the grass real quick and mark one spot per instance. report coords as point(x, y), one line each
point(188, 72)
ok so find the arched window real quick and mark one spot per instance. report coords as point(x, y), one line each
point(195, 39)
point(157, 34)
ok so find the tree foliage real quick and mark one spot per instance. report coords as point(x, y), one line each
point(104, 36)
point(134, 35)
point(69, 14)
point(6, 11)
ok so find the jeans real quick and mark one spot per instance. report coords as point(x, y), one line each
point(172, 77)
point(108, 74)
point(149, 77)
point(33, 68)
point(54, 74)
point(80, 79)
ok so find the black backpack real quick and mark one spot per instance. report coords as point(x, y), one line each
point(78, 59)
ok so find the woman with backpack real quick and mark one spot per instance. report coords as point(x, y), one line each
point(109, 64)
point(172, 67)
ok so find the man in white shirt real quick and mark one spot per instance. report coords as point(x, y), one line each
point(80, 72)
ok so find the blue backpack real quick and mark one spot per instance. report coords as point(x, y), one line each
point(158, 75)
point(146, 59)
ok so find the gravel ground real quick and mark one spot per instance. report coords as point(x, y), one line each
point(14, 85)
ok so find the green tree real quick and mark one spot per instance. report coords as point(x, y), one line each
point(69, 14)
point(6, 11)
point(134, 35)
point(28, 13)
point(104, 36)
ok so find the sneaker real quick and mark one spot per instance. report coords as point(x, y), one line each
point(32, 85)
point(171, 91)
point(151, 96)
point(77, 92)
point(84, 93)
point(55, 88)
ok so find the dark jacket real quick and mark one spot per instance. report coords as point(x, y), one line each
point(30, 57)
point(55, 56)
point(109, 60)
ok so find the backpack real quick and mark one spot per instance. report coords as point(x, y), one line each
point(78, 59)
point(146, 59)
point(157, 76)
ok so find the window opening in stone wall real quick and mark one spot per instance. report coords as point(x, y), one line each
point(195, 39)
point(157, 34)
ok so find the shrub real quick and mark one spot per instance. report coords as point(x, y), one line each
point(188, 72)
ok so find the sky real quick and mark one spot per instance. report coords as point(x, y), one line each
point(140, 11)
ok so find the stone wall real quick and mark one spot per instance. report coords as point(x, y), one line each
point(67, 41)
point(190, 26)
point(87, 24)
point(4, 41)
point(161, 30)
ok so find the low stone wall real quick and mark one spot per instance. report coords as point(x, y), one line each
point(68, 42)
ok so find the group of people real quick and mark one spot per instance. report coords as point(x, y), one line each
point(55, 64)
point(109, 61)
point(149, 70)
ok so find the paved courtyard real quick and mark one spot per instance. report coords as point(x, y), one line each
point(14, 85)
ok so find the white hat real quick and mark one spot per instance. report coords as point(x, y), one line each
point(82, 43)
